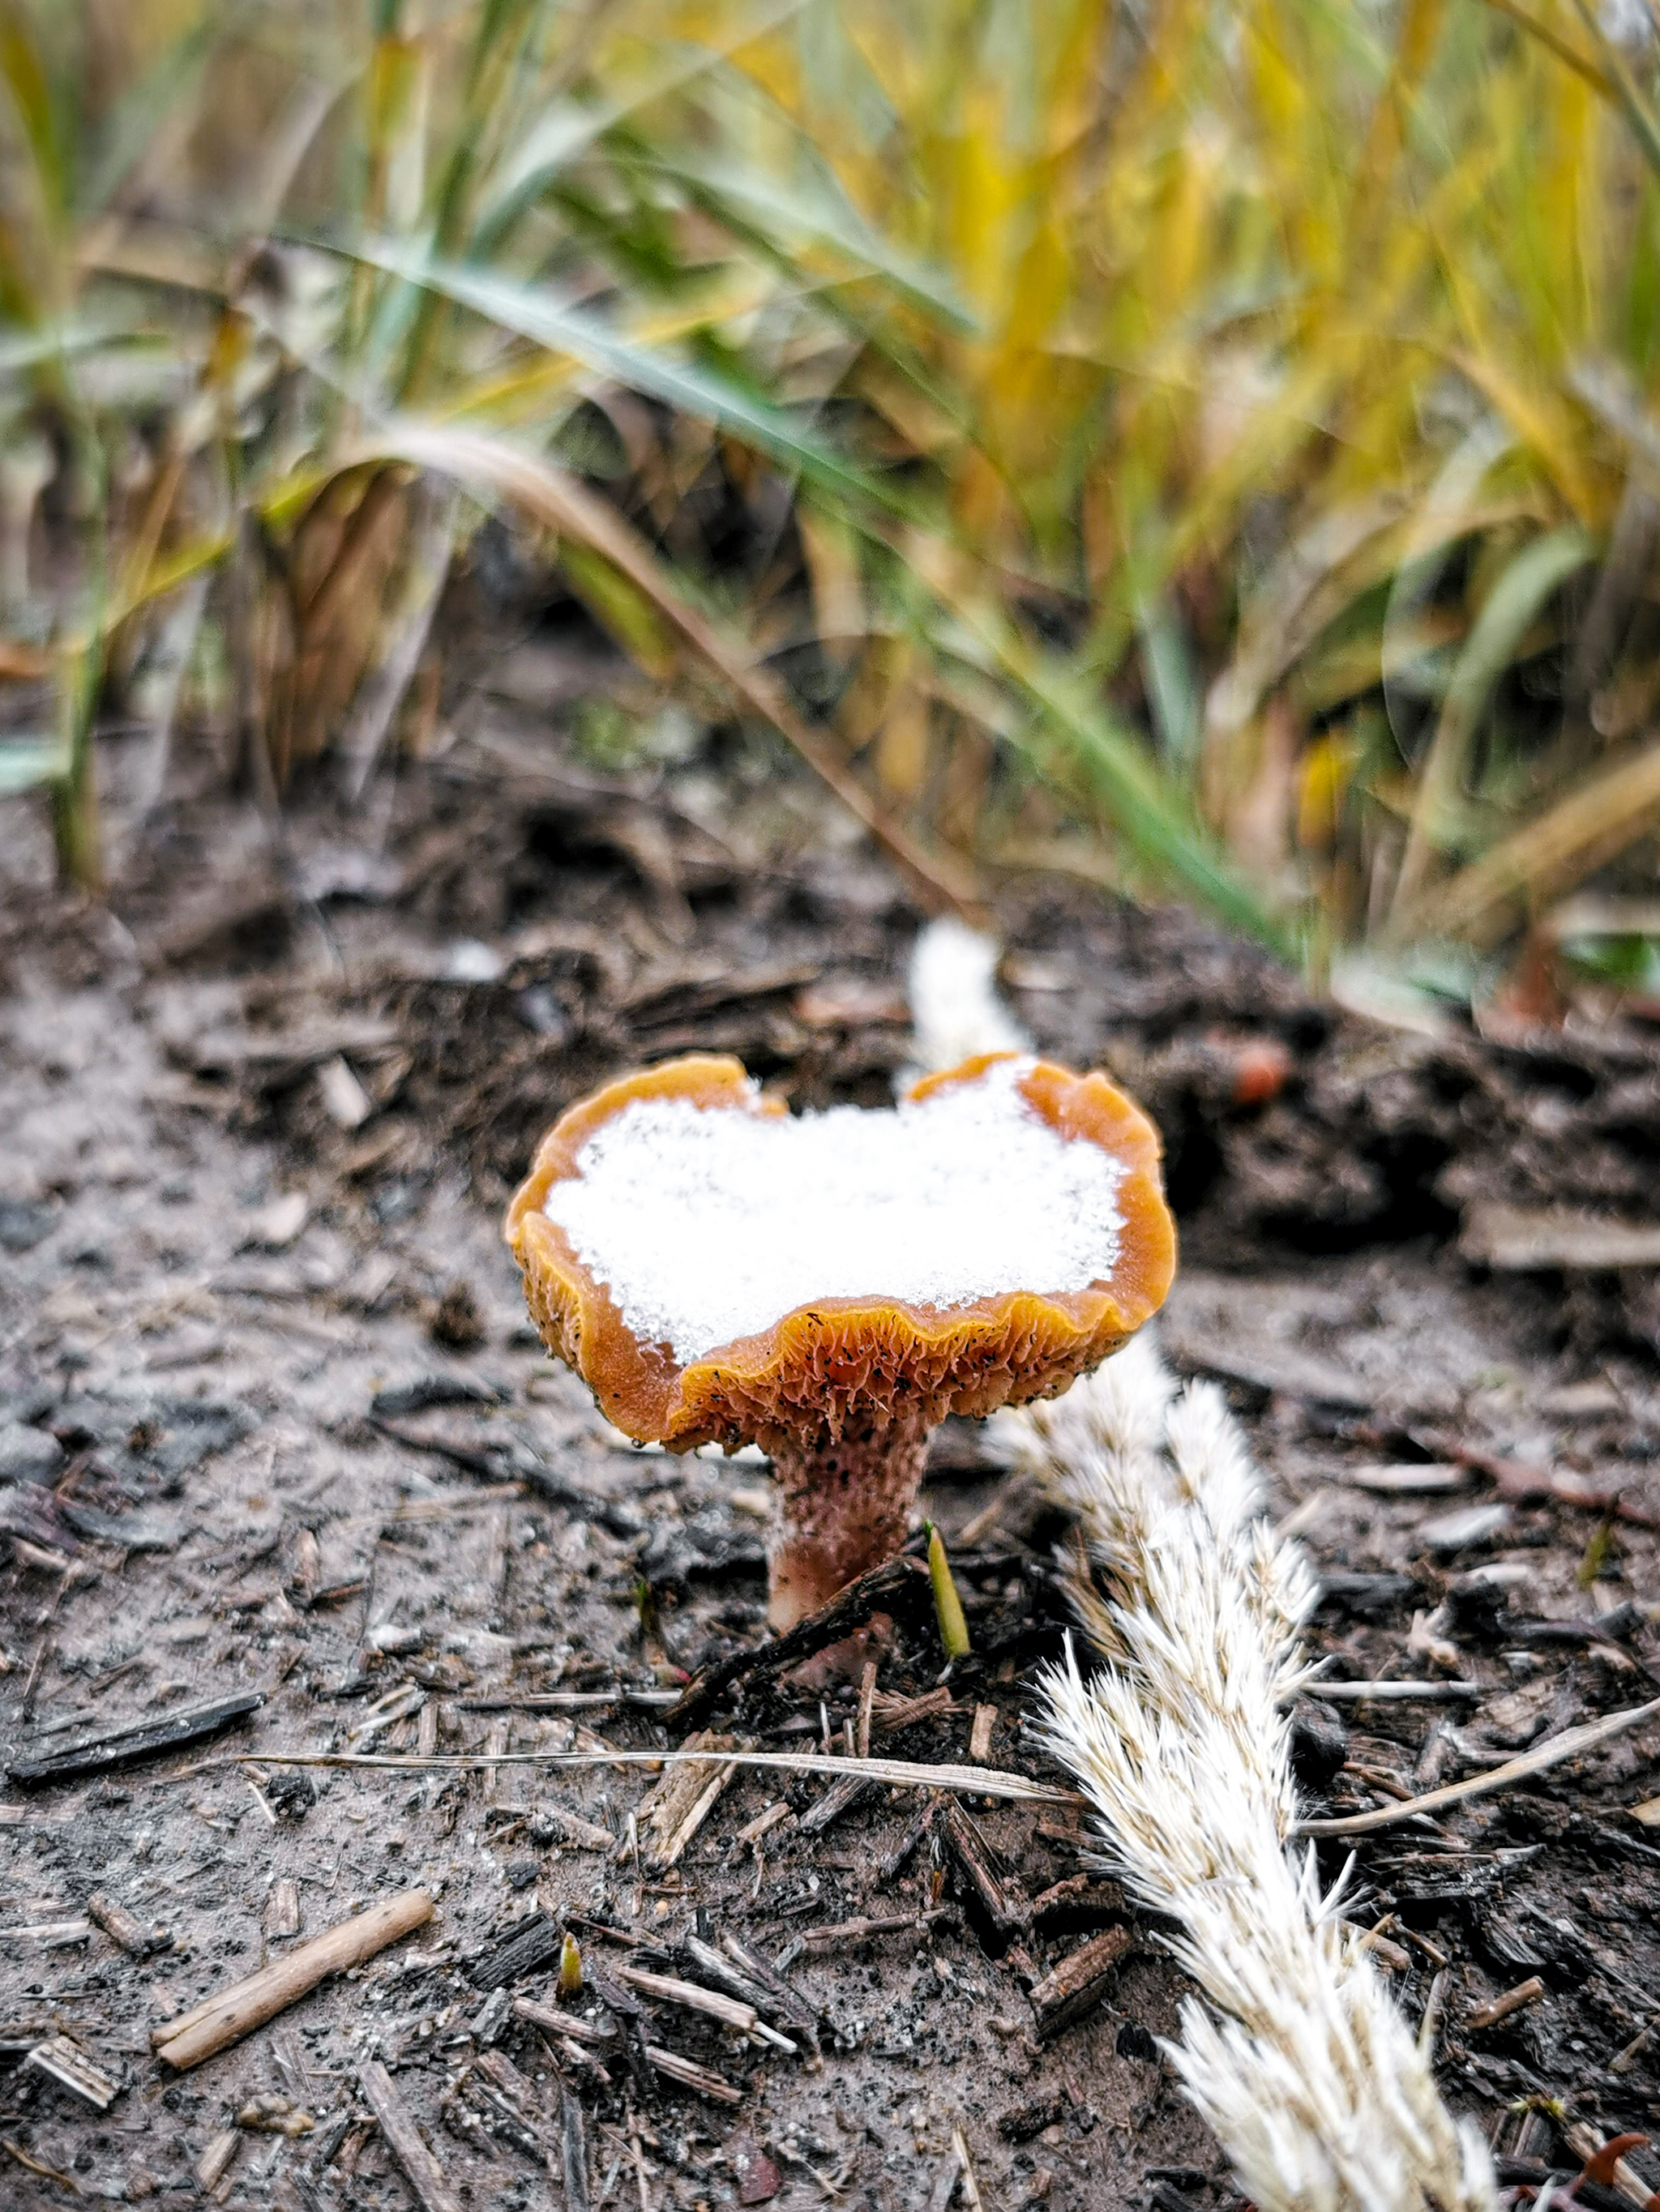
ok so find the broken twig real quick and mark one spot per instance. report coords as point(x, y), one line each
point(225, 2018)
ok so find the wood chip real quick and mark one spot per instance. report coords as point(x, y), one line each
point(344, 1099)
point(572, 1830)
point(1407, 1479)
point(215, 2161)
point(673, 1810)
point(225, 2018)
point(536, 1943)
point(406, 2141)
point(282, 1909)
point(776, 1815)
point(66, 2063)
point(867, 1707)
point(1457, 1532)
point(1079, 1984)
point(573, 2152)
point(841, 1797)
point(985, 1720)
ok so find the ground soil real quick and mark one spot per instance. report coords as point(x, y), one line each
point(260, 1112)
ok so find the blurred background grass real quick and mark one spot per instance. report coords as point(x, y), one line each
point(1211, 448)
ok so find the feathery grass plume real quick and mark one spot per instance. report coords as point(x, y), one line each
point(955, 1010)
point(1307, 2073)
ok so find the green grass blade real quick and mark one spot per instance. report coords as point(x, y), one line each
point(545, 320)
point(1513, 606)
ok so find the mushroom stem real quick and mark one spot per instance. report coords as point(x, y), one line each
point(844, 1504)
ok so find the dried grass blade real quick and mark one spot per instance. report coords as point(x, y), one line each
point(559, 500)
point(1552, 1753)
point(895, 1773)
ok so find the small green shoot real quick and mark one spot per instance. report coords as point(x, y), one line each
point(570, 1968)
point(947, 1606)
point(1597, 1556)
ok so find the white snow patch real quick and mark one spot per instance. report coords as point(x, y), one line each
point(708, 1225)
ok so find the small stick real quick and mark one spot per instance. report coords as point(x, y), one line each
point(971, 2196)
point(104, 1749)
point(686, 2071)
point(565, 1701)
point(119, 1925)
point(1552, 1753)
point(671, 1852)
point(841, 1797)
point(846, 1932)
point(763, 1823)
point(220, 2021)
point(974, 1860)
point(890, 1715)
point(1501, 2008)
point(573, 2149)
point(867, 1700)
point(403, 2138)
point(789, 1999)
point(1429, 2026)
point(732, 2012)
point(33, 2165)
point(495, 1741)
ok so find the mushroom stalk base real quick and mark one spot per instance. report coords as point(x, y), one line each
point(845, 1505)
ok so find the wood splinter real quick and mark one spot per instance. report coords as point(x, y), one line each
point(67, 2064)
point(220, 2021)
point(405, 2141)
point(1077, 1985)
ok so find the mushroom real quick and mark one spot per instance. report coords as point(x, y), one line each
point(830, 1286)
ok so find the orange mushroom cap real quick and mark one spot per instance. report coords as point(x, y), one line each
point(832, 1362)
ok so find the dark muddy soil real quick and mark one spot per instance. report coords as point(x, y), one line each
point(271, 1421)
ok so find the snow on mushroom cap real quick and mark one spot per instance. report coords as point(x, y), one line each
point(707, 1225)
